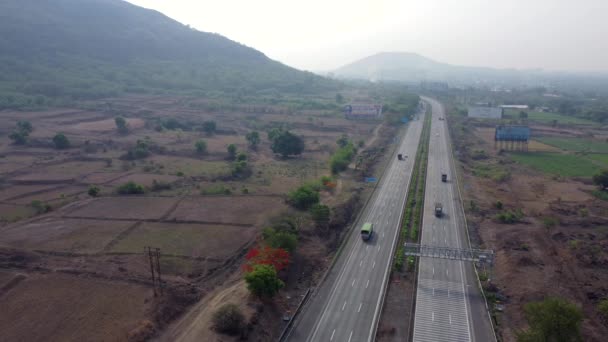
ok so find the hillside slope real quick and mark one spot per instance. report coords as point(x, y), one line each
point(82, 49)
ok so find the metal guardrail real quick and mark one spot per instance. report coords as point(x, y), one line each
point(465, 254)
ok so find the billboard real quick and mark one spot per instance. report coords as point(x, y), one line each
point(485, 112)
point(363, 111)
point(512, 133)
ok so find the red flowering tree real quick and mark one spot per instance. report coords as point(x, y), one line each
point(276, 257)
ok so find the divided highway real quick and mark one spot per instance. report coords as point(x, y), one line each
point(346, 307)
point(449, 304)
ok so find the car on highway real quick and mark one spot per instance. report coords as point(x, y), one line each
point(366, 231)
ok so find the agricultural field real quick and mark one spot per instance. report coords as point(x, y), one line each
point(539, 212)
point(548, 118)
point(560, 164)
point(74, 238)
point(576, 144)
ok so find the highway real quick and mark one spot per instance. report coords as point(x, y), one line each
point(449, 305)
point(347, 305)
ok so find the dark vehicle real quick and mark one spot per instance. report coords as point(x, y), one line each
point(400, 156)
point(438, 209)
point(444, 177)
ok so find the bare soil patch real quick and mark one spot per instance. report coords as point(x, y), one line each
point(67, 308)
point(251, 210)
point(133, 208)
point(63, 235)
point(105, 125)
point(192, 240)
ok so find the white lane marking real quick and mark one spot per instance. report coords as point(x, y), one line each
point(361, 263)
point(332, 335)
point(353, 284)
point(382, 234)
point(343, 306)
point(433, 292)
point(350, 336)
point(433, 316)
point(367, 284)
point(450, 319)
point(374, 264)
point(360, 305)
point(433, 270)
point(447, 272)
point(367, 247)
point(378, 248)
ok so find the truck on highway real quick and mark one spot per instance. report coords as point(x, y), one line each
point(444, 177)
point(366, 231)
point(438, 209)
point(400, 156)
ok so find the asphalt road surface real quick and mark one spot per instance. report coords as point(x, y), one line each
point(449, 304)
point(347, 305)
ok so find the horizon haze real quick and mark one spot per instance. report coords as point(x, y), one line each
point(319, 36)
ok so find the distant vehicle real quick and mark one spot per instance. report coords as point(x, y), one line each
point(438, 209)
point(441, 118)
point(366, 231)
point(444, 177)
point(400, 156)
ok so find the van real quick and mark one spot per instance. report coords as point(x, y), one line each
point(366, 231)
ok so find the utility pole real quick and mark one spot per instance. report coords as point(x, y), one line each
point(154, 260)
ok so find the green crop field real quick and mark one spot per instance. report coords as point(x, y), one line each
point(549, 117)
point(576, 144)
point(566, 165)
point(599, 159)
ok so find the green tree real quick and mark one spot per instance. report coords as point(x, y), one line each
point(231, 151)
point(18, 138)
point(24, 126)
point(280, 238)
point(304, 197)
point(201, 147)
point(240, 168)
point(93, 191)
point(253, 138)
point(209, 127)
point(320, 214)
point(121, 125)
point(274, 133)
point(553, 319)
point(287, 143)
point(241, 156)
point(342, 141)
point(40, 207)
point(601, 179)
point(61, 141)
point(262, 281)
point(229, 319)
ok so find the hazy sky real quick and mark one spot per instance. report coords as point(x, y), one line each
point(325, 34)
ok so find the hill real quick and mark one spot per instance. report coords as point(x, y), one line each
point(86, 49)
point(411, 67)
point(406, 66)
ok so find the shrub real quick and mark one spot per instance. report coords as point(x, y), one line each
point(160, 186)
point(228, 319)
point(131, 188)
point(303, 197)
point(553, 319)
point(320, 214)
point(509, 217)
point(201, 147)
point(498, 205)
point(601, 179)
point(231, 151)
point(253, 138)
point(122, 126)
point(286, 143)
point(18, 138)
point(209, 127)
point(279, 238)
point(341, 158)
point(550, 222)
point(93, 191)
point(40, 207)
point(61, 141)
point(602, 307)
